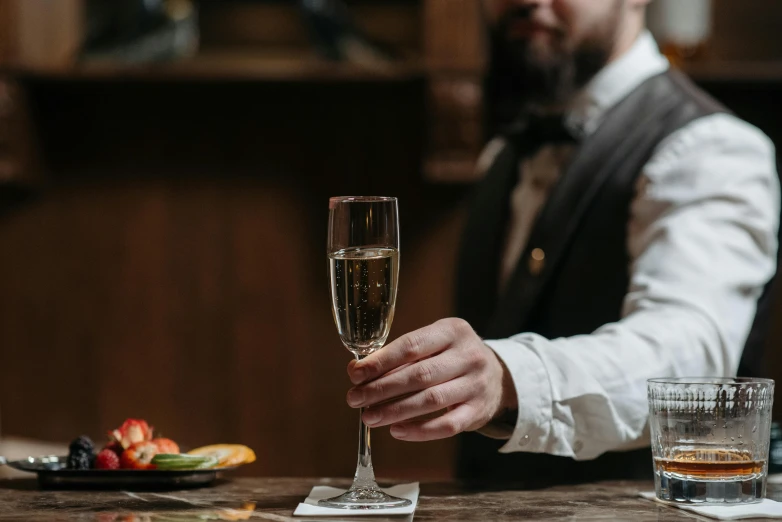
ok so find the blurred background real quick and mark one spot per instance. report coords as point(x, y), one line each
point(164, 173)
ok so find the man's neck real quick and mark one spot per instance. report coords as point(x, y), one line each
point(626, 37)
point(628, 34)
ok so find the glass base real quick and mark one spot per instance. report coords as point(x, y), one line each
point(364, 498)
point(739, 490)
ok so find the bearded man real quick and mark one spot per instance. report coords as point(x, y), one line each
point(625, 229)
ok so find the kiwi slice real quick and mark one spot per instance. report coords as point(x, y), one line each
point(170, 461)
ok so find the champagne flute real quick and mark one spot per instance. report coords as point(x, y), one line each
point(363, 254)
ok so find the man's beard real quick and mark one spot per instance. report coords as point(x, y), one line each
point(535, 75)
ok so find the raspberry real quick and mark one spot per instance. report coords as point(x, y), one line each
point(107, 459)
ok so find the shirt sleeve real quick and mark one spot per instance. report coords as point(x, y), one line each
point(702, 240)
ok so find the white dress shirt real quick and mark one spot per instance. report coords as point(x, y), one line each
point(702, 240)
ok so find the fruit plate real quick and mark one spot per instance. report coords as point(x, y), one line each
point(52, 473)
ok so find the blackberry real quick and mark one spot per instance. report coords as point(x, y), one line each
point(79, 460)
point(83, 443)
point(81, 453)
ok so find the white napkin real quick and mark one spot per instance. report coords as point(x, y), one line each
point(310, 505)
point(764, 509)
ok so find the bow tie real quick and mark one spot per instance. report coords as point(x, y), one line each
point(533, 131)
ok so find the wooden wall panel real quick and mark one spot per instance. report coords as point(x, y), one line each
point(454, 36)
point(7, 33)
point(455, 57)
point(41, 34)
point(20, 162)
point(746, 31)
point(176, 268)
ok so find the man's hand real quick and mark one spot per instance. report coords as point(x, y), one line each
point(444, 366)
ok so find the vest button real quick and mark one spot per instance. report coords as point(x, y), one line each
point(537, 260)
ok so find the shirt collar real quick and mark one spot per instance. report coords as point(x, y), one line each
point(615, 81)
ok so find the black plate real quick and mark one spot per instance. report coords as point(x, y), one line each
point(52, 473)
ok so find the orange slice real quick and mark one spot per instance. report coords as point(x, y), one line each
point(226, 454)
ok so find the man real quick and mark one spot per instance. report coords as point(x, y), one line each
point(632, 241)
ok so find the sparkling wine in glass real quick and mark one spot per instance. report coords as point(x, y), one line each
point(363, 257)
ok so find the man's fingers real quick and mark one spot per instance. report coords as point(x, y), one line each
point(397, 369)
point(447, 425)
point(407, 349)
point(424, 402)
point(407, 379)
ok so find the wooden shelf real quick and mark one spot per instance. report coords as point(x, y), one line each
point(221, 65)
point(735, 71)
point(301, 67)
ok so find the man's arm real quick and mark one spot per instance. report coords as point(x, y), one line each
point(702, 241)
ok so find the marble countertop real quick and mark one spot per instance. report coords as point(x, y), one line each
point(276, 498)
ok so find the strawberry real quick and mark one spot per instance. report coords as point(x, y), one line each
point(107, 459)
point(139, 455)
point(131, 431)
point(166, 446)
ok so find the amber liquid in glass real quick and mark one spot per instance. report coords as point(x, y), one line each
point(681, 55)
point(711, 464)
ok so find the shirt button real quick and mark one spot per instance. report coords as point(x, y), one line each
point(537, 260)
point(524, 440)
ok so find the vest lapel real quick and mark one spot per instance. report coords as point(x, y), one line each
point(482, 241)
point(625, 130)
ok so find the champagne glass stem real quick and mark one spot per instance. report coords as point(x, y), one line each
point(365, 473)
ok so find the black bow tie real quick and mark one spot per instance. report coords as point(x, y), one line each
point(533, 131)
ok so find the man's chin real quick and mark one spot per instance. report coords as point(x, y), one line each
point(544, 50)
point(541, 43)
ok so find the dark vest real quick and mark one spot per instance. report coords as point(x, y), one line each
point(582, 282)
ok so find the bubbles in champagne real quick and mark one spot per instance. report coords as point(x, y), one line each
point(363, 293)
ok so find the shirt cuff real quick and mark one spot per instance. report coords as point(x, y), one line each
point(533, 393)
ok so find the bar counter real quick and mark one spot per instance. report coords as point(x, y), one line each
point(276, 498)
